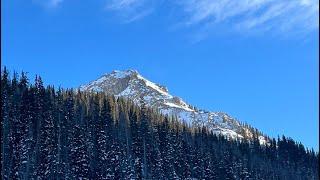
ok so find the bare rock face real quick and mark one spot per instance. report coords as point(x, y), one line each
point(130, 84)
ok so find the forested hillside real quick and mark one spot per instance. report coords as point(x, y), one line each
point(50, 133)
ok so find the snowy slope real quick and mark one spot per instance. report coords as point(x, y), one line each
point(130, 84)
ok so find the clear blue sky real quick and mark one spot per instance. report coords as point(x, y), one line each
point(257, 61)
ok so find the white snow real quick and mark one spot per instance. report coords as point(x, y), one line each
point(262, 140)
point(153, 86)
point(128, 91)
point(186, 116)
point(122, 74)
point(147, 98)
point(228, 133)
point(97, 89)
point(177, 106)
point(100, 80)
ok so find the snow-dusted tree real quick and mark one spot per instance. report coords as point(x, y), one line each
point(136, 143)
point(61, 135)
point(156, 156)
point(5, 124)
point(92, 120)
point(48, 134)
point(47, 145)
point(78, 148)
point(16, 133)
point(166, 142)
point(27, 119)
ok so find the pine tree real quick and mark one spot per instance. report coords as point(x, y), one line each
point(47, 148)
point(166, 135)
point(61, 131)
point(136, 144)
point(78, 149)
point(27, 110)
point(5, 124)
point(16, 135)
point(93, 117)
point(63, 134)
point(156, 156)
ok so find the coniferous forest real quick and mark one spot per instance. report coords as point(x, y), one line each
point(54, 133)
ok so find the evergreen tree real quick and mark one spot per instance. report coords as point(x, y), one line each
point(16, 135)
point(47, 148)
point(78, 148)
point(5, 124)
point(67, 134)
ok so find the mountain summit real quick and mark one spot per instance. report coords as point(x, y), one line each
point(130, 84)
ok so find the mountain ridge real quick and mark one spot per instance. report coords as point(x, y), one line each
point(132, 85)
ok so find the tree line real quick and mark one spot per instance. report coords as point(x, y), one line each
point(50, 133)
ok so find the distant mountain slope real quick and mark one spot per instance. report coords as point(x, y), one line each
point(132, 85)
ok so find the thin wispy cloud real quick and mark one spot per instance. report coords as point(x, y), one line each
point(278, 16)
point(55, 3)
point(48, 3)
point(130, 10)
point(283, 17)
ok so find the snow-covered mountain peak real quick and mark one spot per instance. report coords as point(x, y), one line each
point(127, 83)
point(123, 74)
point(132, 85)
